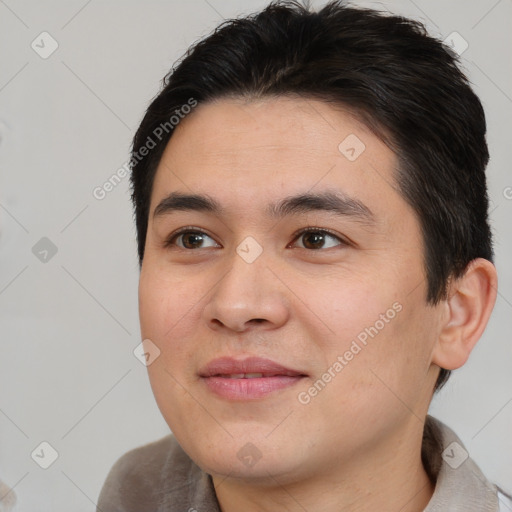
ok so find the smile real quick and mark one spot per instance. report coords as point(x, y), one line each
point(248, 379)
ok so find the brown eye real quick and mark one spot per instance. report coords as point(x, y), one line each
point(317, 239)
point(192, 240)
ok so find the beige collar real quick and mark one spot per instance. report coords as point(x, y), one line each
point(460, 485)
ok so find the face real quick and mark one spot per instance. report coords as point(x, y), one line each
point(283, 284)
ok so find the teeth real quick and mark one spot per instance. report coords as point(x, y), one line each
point(245, 376)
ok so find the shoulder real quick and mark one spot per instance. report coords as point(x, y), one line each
point(140, 479)
point(505, 500)
point(459, 482)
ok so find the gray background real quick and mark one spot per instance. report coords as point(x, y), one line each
point(69, 324)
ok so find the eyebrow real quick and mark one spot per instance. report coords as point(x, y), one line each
point(335, 202)
point(177, 201)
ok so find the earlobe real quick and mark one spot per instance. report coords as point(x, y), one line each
point(468, 307)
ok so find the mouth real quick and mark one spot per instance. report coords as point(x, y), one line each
point(248, 379)
point(246, 375)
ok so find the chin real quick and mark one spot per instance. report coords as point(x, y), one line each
point(262, 472)
point(247, 460)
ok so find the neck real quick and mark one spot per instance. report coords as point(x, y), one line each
point(386, 478)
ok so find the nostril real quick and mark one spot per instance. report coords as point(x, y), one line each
point(216, 323)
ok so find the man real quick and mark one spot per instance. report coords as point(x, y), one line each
point(315, 254)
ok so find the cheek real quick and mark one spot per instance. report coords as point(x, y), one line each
point(378, 382)
point(165, 300)
point(169, 310)
point(357, 309)
point(393, 367)
point(379, 332)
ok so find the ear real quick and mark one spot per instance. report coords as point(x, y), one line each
point(467, 310)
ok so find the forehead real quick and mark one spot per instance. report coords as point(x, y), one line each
point(270, 148)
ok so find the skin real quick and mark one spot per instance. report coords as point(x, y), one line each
point(356, 445)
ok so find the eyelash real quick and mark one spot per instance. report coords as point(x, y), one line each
point(323, 231)
point(170, 240)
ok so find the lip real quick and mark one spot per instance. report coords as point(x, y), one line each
point(226, 377)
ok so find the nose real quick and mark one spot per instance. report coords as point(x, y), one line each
point(248, 297)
